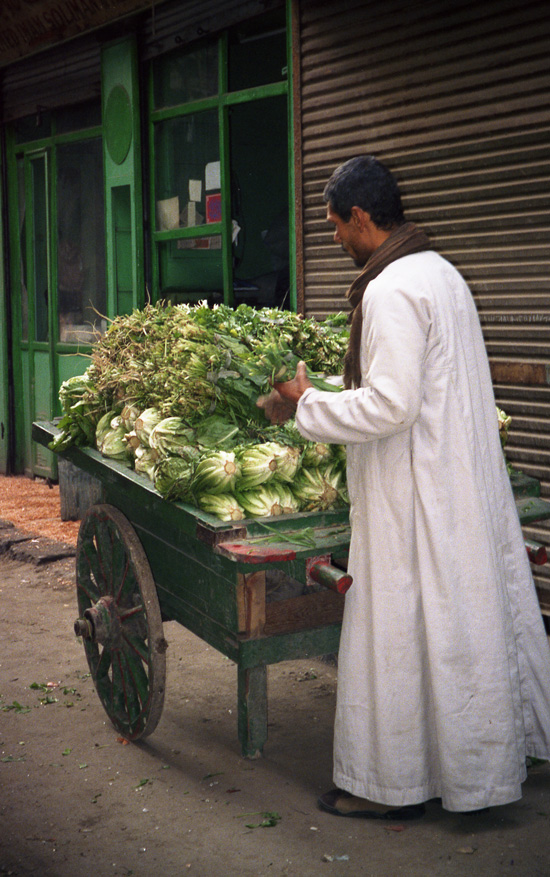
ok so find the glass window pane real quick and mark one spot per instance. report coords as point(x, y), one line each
point(33, 127)
point(80, 241)
point(77, 118)
point(23, 250)
point(187, 171)
point(40, 249)
point(186, 76)
point(257, 52)
point(259, 184)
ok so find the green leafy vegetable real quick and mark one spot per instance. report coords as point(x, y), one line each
point(316, 454)
point(145, 461)
point(145, 424)
point(172, 477)
point(267, 819)
point(261, 502)
point(172, 436)
point(504, 421)
point(114, 444)
point(258, 463)
point(216, 472)
point(223, 505)
point(319, 489)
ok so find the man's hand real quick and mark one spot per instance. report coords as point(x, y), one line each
point(281, 403)
point(276, 409)
point(292, 390)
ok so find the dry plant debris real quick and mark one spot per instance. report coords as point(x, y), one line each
point(33, 506)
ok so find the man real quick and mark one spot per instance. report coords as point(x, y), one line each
point(444, 665)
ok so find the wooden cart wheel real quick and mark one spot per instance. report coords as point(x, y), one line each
point(120, 621)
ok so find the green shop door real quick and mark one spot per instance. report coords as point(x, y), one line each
point(4, 341)
point(57, 222)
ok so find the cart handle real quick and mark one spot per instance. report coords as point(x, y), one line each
point(536, 552)
point(330, 577)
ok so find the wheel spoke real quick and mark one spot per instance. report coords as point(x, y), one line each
point(127, 582)
point(89, 572)
point(86, 595)
point(102, 539)
point(133, 701)
point(104, 663)
point(128, 588)
point(137, 673)
point(119, 563)
point(118, 700)
point(137, 645)
point(131, 613)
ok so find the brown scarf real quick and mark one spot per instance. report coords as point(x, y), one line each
point(406, 239)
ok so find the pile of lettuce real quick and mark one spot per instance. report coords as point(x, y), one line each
point(171, 390)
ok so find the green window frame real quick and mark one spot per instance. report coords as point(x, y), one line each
point(30, 139)
point(183, 239)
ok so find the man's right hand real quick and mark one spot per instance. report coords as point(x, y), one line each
point(276, 408)
point(281, 403)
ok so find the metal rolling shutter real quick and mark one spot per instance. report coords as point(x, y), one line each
point(455, 99)
point(175, 24)
point(68, 74)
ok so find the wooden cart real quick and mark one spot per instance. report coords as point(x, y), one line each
point(141, 560)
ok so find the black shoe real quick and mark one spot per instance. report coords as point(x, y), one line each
point(341, 803)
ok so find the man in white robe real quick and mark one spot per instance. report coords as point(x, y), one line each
point(444, 664)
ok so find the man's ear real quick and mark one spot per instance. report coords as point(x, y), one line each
point(359, 217)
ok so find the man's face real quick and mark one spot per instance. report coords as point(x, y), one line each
point(351, 236)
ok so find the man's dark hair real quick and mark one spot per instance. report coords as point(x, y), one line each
point(366, 183)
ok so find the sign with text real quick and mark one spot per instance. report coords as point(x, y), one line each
point(29, 26)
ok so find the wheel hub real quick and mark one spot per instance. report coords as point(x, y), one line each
point(100, 623)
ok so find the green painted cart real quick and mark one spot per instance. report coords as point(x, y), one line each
point(257, 591)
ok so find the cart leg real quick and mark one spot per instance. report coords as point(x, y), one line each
point(252, 706)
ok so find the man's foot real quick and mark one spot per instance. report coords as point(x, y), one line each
point(341, 803)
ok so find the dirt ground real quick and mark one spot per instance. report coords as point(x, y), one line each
point(76, 800)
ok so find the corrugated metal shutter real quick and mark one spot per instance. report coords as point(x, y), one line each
point(66, 75)
point(455, 99)
point(175, 24)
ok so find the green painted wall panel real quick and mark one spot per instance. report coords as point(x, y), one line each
point(122, 163)
point(23, 449)
point(42, 379)
point(70, 365)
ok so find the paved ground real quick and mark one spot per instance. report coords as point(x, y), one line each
point(77, 801)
